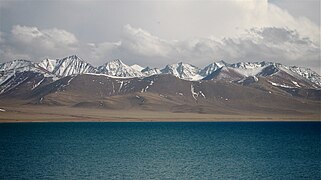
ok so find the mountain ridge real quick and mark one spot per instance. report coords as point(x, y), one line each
point(263, 88)
point(73, 65)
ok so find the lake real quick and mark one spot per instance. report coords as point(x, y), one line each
point(200, 150)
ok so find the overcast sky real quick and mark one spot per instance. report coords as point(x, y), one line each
point(156, 33)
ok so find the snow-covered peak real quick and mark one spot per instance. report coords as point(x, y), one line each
point(183, 71)
point(151, 71)
point(306, 73)
point(118, 68)
point(67, 66)
point(48, 64)
point(248, 65)
point(137, 67)
point(72, 58)
point(251, 68)
point(15, 64)
point(248, 69)
point(72, 65)
point(9, 69)
point(209, 69)
point(117, 61)
point(222, 63)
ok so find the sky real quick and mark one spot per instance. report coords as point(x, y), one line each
point(155, 33)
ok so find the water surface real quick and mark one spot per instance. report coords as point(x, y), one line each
point(246, 150)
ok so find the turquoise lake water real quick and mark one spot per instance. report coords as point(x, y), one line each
point(218, 150)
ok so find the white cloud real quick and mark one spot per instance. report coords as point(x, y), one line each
point(102, 52)
point(188, 19)
point(269, 44)
point(141, 42)
point(48, 38)
point(237, 30)
point(139, 46)
point(35, 44)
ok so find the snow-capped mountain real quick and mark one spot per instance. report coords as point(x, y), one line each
point(137, 67)
point(307, 73)
point(225, 73)
point(10, 69)
point(237, 72)
point(288, 76)
point(48, 64)
point(118, 68)
point(244, 87)
point(16, 65)
point(183, 71)
point(150, 71)
point(209, 69)
point(67, 66)
point(249, 68)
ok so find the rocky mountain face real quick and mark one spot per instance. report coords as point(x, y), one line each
point(119, 69)
point(67, 66)
point(183, 71)
point(217, 88)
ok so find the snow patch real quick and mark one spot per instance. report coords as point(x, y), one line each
point(110, 76)
point(193, 92)
point(68, 83)
point(296, 84)
point(202, 94)
point(112, 83)
point(121, 85)
point(36, 85)
point(280, 85)
point(137, 67)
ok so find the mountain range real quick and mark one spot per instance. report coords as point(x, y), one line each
point(220, 87)
point(73, 65)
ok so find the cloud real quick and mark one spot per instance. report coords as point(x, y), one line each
point(32, 43)
point(1, 37)
point(102, 52)
point(141, 42)
point(49, 38)
point(139, 46)
point(260, 13)
point(269, 44)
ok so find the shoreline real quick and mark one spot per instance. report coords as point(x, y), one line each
point(159, 121)
point(22, 114)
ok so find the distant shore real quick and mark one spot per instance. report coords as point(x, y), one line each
point(124, 121)
point(69, 114)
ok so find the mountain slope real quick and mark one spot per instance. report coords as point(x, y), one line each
point(137, 67)
point(163, 92)
point(118, 68)
point(209, 69)
point(239, 72)
point(151, 71)
point(183, 71)
point(67, 66)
